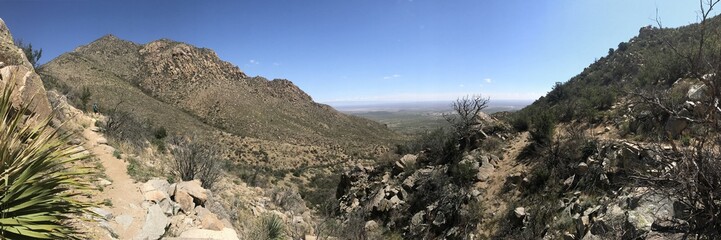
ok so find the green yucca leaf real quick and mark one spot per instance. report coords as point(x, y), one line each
point(38, 184)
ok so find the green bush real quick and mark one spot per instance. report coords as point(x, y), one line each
point(160, 133)
point(543, 127)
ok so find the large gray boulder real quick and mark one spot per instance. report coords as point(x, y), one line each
point(155, 224)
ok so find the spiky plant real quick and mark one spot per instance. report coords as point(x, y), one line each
point(39, 186)
point(271, 228)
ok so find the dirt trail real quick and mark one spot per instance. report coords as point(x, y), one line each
point(508, 165)
point(124, 193)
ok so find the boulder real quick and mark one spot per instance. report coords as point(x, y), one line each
point(194, 189)
point(520, 212)
point(170, 190)
point(102, 140)
point(418, 218)
point(211, 222)
point(184, 200)
point(201, 212)
point(370, 226)
point(155, 190)
point(124, 221)
point(484, 173)
point(696, 92)
point(155, 184)
point(408, 160)
point(155, 196)
point(179, 224)
point(224, 234)
point(169, 207)
point(155, 224)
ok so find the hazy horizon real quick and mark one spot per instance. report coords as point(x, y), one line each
point(437, 105)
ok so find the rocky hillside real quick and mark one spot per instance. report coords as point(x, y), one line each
point(154, 79)
point(628, 149)
point(16, 71)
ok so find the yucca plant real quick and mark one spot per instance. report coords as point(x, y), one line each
point(271, 228)
point(39, 184)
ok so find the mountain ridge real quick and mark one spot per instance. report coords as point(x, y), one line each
point(191, 91)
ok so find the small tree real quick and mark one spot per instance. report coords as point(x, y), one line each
point(196, 161)
point(33, 55)
point(466, 118)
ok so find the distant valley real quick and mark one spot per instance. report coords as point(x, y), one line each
point(414, 118)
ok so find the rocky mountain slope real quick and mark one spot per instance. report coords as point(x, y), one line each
point(164, 79)
point(628, 149)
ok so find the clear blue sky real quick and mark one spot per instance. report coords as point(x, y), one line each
point(367, 50)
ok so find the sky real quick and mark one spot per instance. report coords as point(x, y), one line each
point(341, 51)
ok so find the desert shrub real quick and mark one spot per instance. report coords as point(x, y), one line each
point(194, 160)
point(622, 46)
point(39, 177)
point(520, 123)
point(84, 97)
point(270, 227)
point(558, 93)
point(320, 189)
point(543, 127)
point(160, 133)
point(463, 173)
point(433, 141)
point(492, 145)
point(122, 126)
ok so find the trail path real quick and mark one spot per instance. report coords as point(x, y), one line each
point(494, 186)
point(124, 193)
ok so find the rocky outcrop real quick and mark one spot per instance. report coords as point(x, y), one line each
point(413, 196)
point(179, 210)
point(16, 71)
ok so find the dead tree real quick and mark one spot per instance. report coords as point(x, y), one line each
point(466, 120)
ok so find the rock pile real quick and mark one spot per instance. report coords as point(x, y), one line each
point(421, 200)
point(175, 211)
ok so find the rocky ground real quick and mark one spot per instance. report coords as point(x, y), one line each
point(150, 210)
